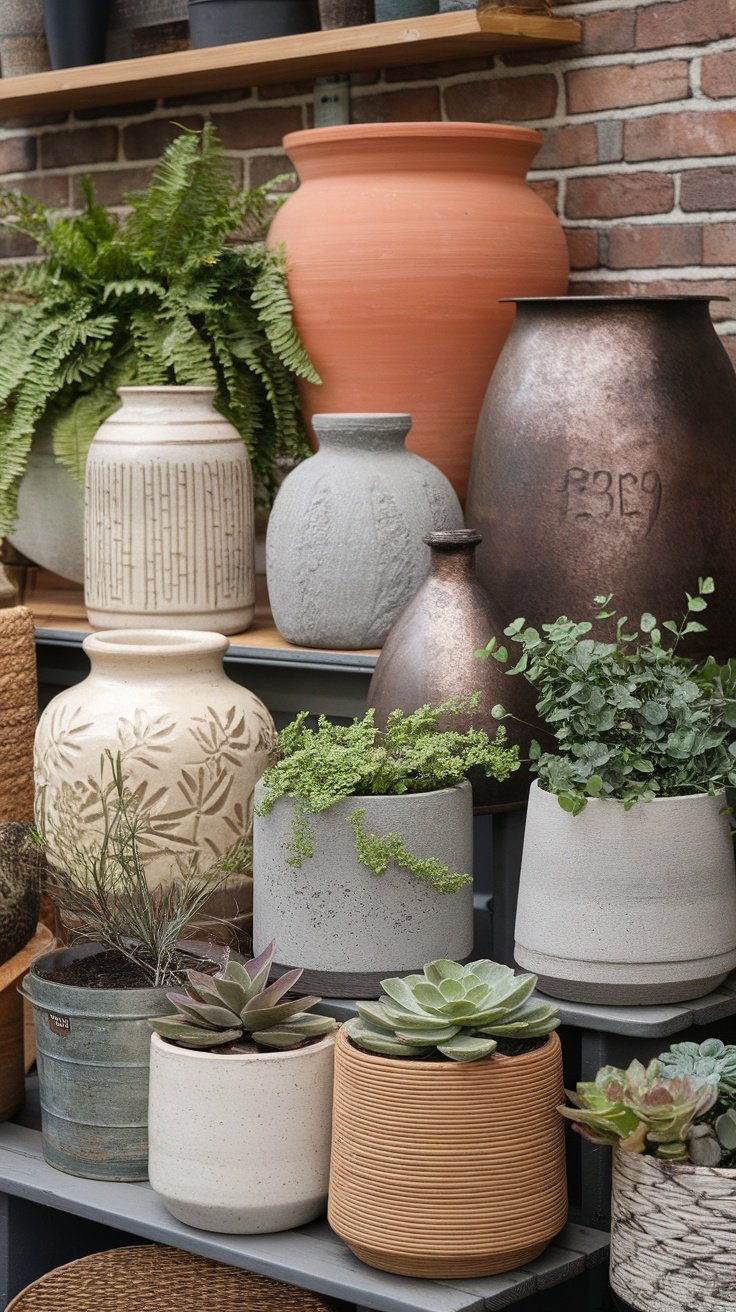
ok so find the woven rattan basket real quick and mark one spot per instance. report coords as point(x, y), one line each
point(152, 1278)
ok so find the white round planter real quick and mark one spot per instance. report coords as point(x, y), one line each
point(49, 524)
point(348, 927)
point(241, 1143)
point(621, 906)
point(192, 744)
point(168, 511)
point(673, 1235)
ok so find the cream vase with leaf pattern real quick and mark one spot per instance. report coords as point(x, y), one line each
point(192, 744)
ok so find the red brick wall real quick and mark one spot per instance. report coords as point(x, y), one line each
point(639, 153)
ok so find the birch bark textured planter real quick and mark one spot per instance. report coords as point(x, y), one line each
point(447, 1169)
point(621, 906)
point(240, 1143)
point(168, 509)
point(92, 1052)
point(673, 1235)
point(347, 926)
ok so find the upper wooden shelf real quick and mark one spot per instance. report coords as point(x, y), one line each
point(466, 33)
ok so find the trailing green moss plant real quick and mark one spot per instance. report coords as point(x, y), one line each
point(159, 295)
point(632, 719)
point(318, 768)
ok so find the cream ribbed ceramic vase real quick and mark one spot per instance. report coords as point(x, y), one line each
point(673, 1235)
point(191, 741)
point(445, 1169)
point(168, 511)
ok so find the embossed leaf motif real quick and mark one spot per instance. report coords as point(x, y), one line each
point(147, 739)
point(65, 730)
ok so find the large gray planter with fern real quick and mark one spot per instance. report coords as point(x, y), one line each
point(348, 926)
point(624, 907)
point(49, 527)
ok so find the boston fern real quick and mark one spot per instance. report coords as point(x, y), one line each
point(318, 768)
point(158, 295)
point(632, 718)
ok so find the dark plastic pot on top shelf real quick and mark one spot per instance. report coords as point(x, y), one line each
point(345, 13)
point(223, 22)
point(76, 31)
point(389, 10)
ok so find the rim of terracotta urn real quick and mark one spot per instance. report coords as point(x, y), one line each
point(607, 299)
point(155, 642)
point(373, 131)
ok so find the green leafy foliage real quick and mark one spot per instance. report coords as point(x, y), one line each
point(641, 1110)
point(632, 719)
point(100, 887)
point(456, 1011)
point(237, 1010)
point(320, 767)
point(160, 295)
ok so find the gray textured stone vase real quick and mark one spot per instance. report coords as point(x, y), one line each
point(348, 927)
point(624, 907)
point(49, 526)
point(673, 1235)
point(168, 515)
point(344, 551)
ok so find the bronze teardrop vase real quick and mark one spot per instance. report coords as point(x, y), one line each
point(602, 462)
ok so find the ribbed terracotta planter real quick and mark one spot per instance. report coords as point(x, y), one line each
point(445, 1169)
point(400, 243)
point(673, 1235)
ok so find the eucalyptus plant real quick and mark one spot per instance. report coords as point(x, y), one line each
point(632, 718)
point(322, 766)
point(180, 289)
point(456, 1011)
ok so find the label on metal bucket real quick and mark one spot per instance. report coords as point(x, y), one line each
point(59, 1024)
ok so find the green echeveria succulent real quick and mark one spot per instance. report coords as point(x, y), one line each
point(639, 1107)
point(452, 1009)
point(705, 1060)
point(237, 1008)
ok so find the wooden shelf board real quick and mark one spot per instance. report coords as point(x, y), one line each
point(463, 34)
point(62, 611)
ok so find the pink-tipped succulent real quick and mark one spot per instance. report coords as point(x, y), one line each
point(640, 1107)
point(237, 1008)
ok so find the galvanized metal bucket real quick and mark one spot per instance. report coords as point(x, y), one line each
point(93, 1047)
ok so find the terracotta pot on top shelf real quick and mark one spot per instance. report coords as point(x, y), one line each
point(400, 243)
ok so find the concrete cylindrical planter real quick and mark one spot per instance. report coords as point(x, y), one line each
point(347, 926)
point(92, 1053)
point(621, 906)
point(168, 507)
point(446, 1169)
point(345, 549)
point(192, 744)
point(673, 1235)
point(49, 526)
point(240, 1143)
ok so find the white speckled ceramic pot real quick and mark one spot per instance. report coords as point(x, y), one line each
point(346, 926)
point(240, 1143)
point(633, 906)
point(673, 1235)
point(345, 549)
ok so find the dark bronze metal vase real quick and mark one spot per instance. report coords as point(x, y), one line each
point(603, 462)
point(428, 657)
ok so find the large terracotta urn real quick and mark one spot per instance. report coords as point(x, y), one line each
point(602, 459)
point(192, 744)
point(400, 243)
point(168, 515)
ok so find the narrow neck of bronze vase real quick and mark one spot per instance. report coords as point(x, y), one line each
point(453, 553)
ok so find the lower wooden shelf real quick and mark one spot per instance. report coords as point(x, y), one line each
point(311, 1257)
